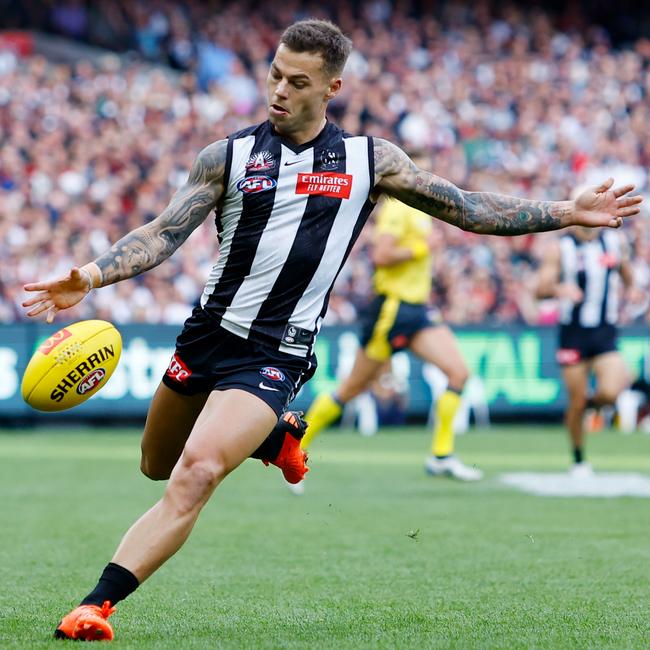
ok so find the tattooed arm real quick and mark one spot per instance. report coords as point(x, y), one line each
point(495, 214)
point(144, 247)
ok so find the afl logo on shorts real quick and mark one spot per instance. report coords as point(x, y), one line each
point(272, 373)
point(254, 184)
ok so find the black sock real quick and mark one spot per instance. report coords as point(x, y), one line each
point(578, 456)
point(115, 584)
point(270, 447)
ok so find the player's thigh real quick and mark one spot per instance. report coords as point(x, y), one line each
point(169, 422)
point(612, 375)
point(364, 370)
point(230, 427)
point(576, 378)
point(439, 346)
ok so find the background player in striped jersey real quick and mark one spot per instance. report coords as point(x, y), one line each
point(288, 214)
point(398, 318)
point(584, 270)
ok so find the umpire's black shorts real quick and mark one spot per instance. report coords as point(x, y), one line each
point(208, 358)
point(388, 324)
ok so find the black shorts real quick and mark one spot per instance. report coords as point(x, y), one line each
point(208, 358)
point(577, 344)
point(389, 324)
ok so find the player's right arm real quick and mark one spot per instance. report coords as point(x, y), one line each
point(488, 213)
point(548, 277)
point(146, 246)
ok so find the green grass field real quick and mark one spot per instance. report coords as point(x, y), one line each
point(375, 555)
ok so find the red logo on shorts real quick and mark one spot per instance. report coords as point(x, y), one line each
point(331, 184)
point(400, 341)
point(567, 356)
point(54, 340)
point(177, 370)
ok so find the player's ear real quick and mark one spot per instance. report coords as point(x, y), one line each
point(334, 88)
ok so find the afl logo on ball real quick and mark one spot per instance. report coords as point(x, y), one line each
point(91, 381)
point(272, 373)
point(254, 184)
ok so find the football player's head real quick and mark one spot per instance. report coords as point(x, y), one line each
point(305, 73)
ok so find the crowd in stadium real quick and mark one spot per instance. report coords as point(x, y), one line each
point(503, 102)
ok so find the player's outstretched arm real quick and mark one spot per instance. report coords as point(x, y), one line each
point(144, 247)
point(495, 214)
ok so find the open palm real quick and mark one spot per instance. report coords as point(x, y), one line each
point(58, 294)
point(603, 206)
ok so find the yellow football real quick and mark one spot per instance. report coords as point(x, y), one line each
point(70, 366)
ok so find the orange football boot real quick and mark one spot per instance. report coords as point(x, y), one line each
point(87, 622)
point(292, 459)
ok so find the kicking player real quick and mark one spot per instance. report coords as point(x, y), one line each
point(291, 195)
point(398, 319)
point(584, 270)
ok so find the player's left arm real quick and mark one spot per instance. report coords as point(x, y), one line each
point(495, 214)
point(146, 246)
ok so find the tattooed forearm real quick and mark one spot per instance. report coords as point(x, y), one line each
point(149, 245)
point(480, 212)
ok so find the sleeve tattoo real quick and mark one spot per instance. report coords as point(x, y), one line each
point(481, 212)
point(149, 245)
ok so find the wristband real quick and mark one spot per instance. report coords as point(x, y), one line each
point(88, 278)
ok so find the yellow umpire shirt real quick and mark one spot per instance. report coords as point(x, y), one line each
point(409, 281)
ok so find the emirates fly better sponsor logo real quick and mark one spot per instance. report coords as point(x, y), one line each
point(332, 184)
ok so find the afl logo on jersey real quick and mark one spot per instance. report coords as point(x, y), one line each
point(254, 184)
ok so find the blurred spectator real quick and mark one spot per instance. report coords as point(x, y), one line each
point(504, 99)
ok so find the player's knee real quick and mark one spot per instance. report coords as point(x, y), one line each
point(194, 481)
point(607, 394)
point(577, 401)
point(458, 377)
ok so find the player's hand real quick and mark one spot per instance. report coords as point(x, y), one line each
point(603, 206)
point(569, 291)
point(59, 294)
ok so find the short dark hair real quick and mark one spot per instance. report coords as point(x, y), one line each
point(320, 37)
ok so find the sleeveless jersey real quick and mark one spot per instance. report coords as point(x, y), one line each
point(593, 266)
point(288, 221)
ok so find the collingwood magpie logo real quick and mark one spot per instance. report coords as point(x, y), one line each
point(329, 159)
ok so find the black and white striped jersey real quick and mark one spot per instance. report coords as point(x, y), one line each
point(595, 267)
point(288, 221)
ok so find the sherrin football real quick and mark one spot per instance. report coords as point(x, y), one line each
point(70, 366)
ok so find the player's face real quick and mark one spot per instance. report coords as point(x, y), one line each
point(298, 90)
